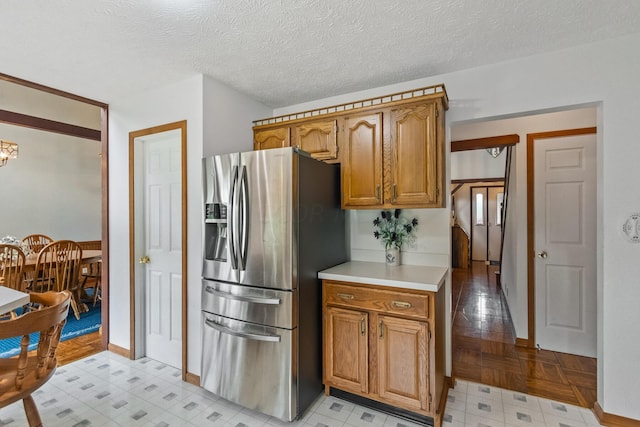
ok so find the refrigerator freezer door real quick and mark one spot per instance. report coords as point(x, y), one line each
point(249, 364)
point(265, 218)
point(220, 236)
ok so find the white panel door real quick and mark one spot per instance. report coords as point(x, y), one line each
point(565, 243)
point(163, 244)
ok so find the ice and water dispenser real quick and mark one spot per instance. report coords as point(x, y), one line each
point(215, 231)
point(216, 208)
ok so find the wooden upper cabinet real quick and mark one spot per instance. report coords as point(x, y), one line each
point(362, 161)
point(391, 148)
point(271, 138)
point(318, 139)
point(416, 156)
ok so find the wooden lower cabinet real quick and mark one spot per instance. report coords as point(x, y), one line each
point(347, 352)
point(402, 362)
point(379, 344)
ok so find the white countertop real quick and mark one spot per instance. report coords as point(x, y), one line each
point(378, 273)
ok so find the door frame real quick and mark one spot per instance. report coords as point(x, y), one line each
point(133, 264)
point(531, 306)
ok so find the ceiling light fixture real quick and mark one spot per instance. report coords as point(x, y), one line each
point(495, 151)
point(8, 150)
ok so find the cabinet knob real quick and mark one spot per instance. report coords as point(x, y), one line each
point(378, 193)
point(381, 328)
point(363, 326)
point(344, 296)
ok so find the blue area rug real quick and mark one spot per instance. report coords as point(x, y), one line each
point(89, 322)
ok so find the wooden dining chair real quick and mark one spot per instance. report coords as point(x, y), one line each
point(12, 261)
point(25, 373)
point(57, 269)
point(36, 242)
point(91, 277)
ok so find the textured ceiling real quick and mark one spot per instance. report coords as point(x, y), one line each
point(283, 52)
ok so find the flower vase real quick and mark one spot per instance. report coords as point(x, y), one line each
point(392, 257)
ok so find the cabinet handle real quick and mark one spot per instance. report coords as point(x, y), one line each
point(363, 327)
point(344, 296)
point(381, 328)
point(401, 304)
point(395, 192)
point(378, 192)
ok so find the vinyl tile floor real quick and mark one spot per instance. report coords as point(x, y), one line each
point(109, 390)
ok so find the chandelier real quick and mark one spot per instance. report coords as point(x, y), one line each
point(8, 150)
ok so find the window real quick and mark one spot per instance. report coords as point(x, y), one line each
point(479, 209)
point(500, 198)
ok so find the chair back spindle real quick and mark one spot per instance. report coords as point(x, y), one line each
point(12, 261)
point(36, 242)
point(57, 269)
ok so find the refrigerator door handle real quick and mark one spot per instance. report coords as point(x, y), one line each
point(232, 223)
point(247, 335)
point(244, 223)
point(246, 298)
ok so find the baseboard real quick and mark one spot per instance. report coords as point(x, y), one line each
point(613, 420)
point(192, 379)
point(522, 342)
point(119, 350)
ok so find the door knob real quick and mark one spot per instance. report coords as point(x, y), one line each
point(144, 260)
point(542, 254)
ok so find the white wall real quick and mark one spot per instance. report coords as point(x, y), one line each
point(603, 73)
point(514, 266)
point(476, 163)
point(179, 101)
point(218, 120)
point(54, 186)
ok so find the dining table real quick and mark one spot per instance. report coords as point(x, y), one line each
point(88, 256)
point(10, 299)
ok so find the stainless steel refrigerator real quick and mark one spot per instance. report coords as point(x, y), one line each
point(272, 221)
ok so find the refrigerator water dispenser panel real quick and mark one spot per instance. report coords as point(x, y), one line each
point(215, 231)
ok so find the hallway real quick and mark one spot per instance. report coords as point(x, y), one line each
point(484, 349)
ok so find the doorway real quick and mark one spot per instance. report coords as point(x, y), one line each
point(483, 350)
point(158, 243)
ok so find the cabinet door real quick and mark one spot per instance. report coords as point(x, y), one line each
point(271, 138)
point(346, 354)
point(362, 161)
point(318, 139)
point(416, 156)
point(402, 362)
